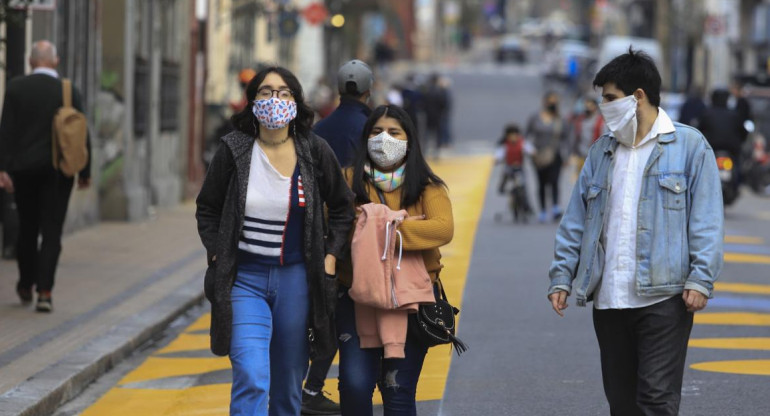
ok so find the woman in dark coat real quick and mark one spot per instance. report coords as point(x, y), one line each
point(271, 253)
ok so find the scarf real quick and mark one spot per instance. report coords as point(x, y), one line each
point(386, 181)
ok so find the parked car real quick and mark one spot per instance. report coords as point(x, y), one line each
point(511, 47)
point(567, 58)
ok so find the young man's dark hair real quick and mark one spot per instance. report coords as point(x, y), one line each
point(630, 71)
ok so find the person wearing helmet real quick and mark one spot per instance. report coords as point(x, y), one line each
point(342, 130)
point(343, 127)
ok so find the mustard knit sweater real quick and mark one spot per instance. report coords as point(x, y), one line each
point(425, 235)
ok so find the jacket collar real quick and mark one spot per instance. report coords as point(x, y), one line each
point(348, 102)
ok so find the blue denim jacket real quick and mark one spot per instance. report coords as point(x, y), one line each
point(680, 220)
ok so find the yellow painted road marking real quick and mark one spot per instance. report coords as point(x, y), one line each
point(743, 239)
point(747, 258)
point(188, 342)
point(732, 318)
point(156, 367)
point(467, 179)
point(742, 288)
point(748, 367)
point(758, 343)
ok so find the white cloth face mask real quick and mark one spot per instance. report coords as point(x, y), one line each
point(620, 117)
point(385, 150)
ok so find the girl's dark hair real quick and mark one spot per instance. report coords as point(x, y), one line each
point(417, 173)
point(630, 71)
point(245, 120)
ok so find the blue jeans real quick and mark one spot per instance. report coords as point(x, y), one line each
point(269, 348)
point(361, 369)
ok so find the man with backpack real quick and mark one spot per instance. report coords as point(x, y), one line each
point(43, 144)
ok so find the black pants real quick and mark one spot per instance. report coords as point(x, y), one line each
point(642, 354)
point(316, 374)
point(549, 175)
point(41, 198)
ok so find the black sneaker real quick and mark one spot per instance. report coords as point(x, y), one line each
point(318, 405)
point(25, 295)
point(44, 303)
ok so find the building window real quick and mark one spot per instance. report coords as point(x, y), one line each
point(141, 95)
point(169, 96)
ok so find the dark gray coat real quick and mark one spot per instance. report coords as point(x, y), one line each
point(221, 206)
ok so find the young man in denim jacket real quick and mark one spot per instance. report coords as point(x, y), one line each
point(642, 239)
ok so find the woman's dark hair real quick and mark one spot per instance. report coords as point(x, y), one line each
point(245, 120)
point(417, 173)
point(630, 71)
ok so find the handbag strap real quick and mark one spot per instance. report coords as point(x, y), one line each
point(380, 195)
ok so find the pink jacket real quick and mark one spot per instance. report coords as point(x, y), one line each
point(387, 282)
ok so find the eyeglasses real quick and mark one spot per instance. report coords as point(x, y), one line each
point(265, 93)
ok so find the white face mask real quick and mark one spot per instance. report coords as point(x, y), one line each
point(385, 150)
point(620, 117)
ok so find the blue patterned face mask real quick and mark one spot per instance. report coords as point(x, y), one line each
point(274, 113)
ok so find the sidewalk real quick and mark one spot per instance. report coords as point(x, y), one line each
point(118, 285)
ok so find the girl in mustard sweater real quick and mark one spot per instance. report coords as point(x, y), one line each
point(389, 161)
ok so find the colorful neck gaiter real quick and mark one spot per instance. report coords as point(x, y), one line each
point(386, 181)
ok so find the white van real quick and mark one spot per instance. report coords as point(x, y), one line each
point(613, 46)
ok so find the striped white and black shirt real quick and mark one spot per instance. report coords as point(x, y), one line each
point(273, 226)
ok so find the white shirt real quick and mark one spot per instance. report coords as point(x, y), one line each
point(617, 289)
point(268, 200)
point(47, 71)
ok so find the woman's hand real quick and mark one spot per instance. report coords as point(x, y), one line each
point(330, 264)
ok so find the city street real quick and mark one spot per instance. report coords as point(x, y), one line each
point(523, 358)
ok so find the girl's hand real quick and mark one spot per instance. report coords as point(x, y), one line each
point(415, 217)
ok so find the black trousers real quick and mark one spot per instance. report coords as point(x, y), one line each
point(316, 374)
point(41, 198)
point(642, 354)
point(546, 176)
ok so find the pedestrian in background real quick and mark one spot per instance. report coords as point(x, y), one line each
point(693, 107)
point(548, 133)
point(389, 162)
point(26, 168)
point(723, 127)
point(342, 128)
point(271, 276)
point(587, 127)
point(437, 103)
point(642, 239)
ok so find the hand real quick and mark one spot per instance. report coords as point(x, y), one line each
point(83, 183)
point(558, 301)
point(694, 300)
point(330, 264)
point(415, 217)
point(6, 182)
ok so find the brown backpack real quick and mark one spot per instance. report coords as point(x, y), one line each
point(70, 132)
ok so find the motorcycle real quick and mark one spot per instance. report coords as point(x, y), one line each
point(756, 165)
point(728, 177)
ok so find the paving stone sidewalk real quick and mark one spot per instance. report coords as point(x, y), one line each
point(117, 286)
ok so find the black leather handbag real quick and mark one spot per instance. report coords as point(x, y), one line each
point(435, 324)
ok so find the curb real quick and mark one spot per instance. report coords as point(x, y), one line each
point(47, 390)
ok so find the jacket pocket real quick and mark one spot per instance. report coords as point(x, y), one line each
point(673, 189)
point(593, 201)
